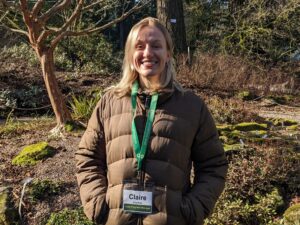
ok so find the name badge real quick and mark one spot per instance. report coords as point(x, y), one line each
point(137, 201)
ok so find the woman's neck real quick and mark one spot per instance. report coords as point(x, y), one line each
point(148, 84)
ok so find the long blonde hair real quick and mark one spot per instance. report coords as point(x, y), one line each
point(129, 74)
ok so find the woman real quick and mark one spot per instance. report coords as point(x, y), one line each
point(134, 160)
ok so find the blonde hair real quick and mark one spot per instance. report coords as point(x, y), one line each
point(129, 74)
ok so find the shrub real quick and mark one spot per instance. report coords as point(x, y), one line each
point(21, 51)
point(43, 189)
point(264, 30)
point(239, 211)
point(89, 53)
point(259, 171)
point(83, 106)
point(252, 195)
point(230, 111)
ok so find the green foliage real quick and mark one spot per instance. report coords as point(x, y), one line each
point(21, 51)
point(43, 189)
point(205, 24)
point(251, 196)
point(29, 97)
point(257, 29)
point(89, 53)
point(83, 106)
point(67, 217)
point(32, 154)
point(265, 30)
point(261, 211)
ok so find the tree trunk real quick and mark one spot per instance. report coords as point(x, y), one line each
point(59, 107)
point(170, 13)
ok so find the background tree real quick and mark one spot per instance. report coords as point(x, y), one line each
point(170, 13)
point(46, 23)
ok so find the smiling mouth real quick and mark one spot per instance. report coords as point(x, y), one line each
point(149, 63)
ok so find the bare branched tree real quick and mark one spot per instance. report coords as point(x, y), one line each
point(46, 23)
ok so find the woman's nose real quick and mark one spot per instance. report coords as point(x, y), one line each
point(148, 51)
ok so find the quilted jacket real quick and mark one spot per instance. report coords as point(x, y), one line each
point(183, 136)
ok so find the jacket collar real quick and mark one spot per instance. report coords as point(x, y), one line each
point(163, 94)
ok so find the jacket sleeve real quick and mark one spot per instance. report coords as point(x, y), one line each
point(91, 169)
point(210, 169)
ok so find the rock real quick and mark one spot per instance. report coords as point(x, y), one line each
point(250, 126)
point(8, 214)
point(282, 122)
point(292, 127)
point(74, 126)
point(233, 147)
point(224, 127)
point(258, 133)
point(32, 154)
point(292, 215)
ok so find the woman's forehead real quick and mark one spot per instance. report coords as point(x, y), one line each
point(150, 33)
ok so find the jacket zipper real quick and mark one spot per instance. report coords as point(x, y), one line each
point(141, 174)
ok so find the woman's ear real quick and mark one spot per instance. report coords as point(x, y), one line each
point(168, 56)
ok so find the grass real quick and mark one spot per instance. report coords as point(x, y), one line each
point(13, 126)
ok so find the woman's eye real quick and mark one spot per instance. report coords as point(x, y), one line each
point(139, 47)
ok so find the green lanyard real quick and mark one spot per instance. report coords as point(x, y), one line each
point(140, 151)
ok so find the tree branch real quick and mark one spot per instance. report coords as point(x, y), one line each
point(16, 30)
point(55, 9)
point(44, 35)
point(92, 5)
point(111, 23)
point(25, 11)
point(37, 8)
point(62, 31)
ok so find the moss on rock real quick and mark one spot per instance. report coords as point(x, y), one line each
point(73, 126)
point(233, 147)
point(224, 127)
point(292, 215)
point(282, 122)
point(246, 95)
point(292, 127)
point(67, 217)
point(258, 133)
point(32, 154)
point(250, 126)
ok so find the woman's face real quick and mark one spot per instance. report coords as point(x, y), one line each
point(150, 53)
